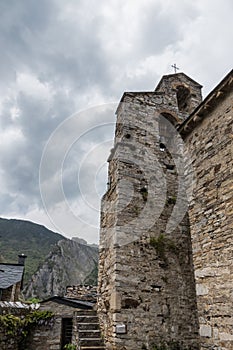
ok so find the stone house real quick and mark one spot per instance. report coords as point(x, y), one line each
point(166, 241)
point(11, 279)
point(62, 331)
point(55, 334)
point(74, 321)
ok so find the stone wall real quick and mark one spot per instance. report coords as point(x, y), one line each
point(210, 144)
point(46, 337)
point(7, 294)
point(8, 342)
point(82, 292)
point(146, 279)
point(12, 293)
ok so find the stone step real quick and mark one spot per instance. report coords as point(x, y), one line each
point(87, 319)
point(94, 333)
point(87, 312)
point(92, 348)
point(91, 342)
point(88, 326)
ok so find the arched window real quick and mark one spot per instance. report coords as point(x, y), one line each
point(183, 98)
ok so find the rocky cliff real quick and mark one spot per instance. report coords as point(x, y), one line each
point(69, 263)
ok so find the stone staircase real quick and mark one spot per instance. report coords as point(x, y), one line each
point(89, 336)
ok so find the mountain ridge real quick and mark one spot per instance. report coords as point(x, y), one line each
point(22, 236)
point(41, 246)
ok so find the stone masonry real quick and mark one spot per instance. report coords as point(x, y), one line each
point(209, 137)
point(165, 267)
point(146, 279)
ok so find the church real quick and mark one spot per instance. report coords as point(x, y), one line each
point(166, 242)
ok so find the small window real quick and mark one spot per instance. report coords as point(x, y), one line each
point(162, 147)
point(170, 167)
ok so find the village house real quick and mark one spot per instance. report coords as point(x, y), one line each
point(11, 279)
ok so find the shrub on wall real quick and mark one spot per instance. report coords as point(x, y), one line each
point(20, 326)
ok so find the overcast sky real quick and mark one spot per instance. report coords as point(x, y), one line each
point(64, 64)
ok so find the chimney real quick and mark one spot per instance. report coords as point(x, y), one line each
point(21, 259)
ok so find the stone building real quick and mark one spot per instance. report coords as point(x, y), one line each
point(166, 220)
point(63, 330)
point(208, 134)
point(11, 279)
point(60, 330)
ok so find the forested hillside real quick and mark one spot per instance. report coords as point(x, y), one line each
point(33, 240)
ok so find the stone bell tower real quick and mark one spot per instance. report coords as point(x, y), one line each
point(146, 281)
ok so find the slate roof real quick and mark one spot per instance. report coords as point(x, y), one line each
point(203, 109)
point(18, 305)
point(164, 77)
point(10, 274)
point(80, 304)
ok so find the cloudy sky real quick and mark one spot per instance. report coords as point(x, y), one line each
point(64, 64)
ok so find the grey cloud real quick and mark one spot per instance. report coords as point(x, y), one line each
point(33, 38)
point(70, 55)
point(6, 120)
point(80, 163)
point(20, 25)
point(159, 31)
point(19, 168)
point(38, 118)
point(20, 162)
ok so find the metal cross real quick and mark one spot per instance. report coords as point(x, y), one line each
point(175, 67)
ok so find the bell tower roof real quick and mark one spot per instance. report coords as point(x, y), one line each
point(178, 77)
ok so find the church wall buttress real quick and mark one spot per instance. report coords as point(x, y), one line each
point(211, 147)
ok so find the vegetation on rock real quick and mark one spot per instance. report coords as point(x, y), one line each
point(161, 245)
point(70, 347)
point(68, 263)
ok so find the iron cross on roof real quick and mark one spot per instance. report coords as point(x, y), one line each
point(175, 67)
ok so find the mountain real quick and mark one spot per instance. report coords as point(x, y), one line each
point(69, 263)
point(83, 241)
point(33, 240)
